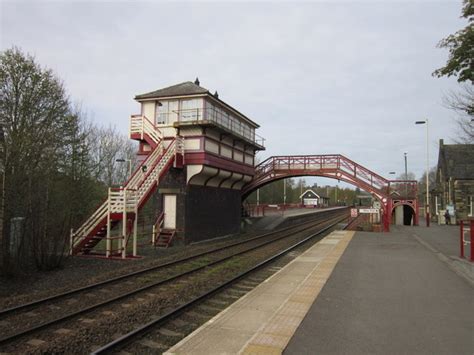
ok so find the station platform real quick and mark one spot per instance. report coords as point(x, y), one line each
point(357, 293)
point(276, 218)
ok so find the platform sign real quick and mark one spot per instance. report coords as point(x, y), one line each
point(353, 212)
point(368, 210)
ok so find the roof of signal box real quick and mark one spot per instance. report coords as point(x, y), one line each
point(188, 88)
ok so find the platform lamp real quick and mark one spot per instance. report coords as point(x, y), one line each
point(406, 174)
point(427, 206)
point(122, 160)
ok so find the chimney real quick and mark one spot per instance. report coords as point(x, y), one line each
point(216, 95)
point(196, 81)
point(441, 142)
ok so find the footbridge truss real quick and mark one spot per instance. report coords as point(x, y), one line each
point(390, 193)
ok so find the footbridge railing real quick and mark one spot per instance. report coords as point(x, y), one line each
point(338, 167)
point(332, 165)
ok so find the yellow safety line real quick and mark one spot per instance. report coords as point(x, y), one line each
point(274, 336)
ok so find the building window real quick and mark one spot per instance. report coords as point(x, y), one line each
point(191, 110)
point(167, 113)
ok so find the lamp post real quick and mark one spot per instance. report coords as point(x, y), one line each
point(122, 160)
point(406, 166)
point(427, 206)
point(406, 174)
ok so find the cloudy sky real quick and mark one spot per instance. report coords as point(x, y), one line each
point(348, 77)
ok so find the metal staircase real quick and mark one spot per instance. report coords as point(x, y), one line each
point(123, 204)
point(165, 238)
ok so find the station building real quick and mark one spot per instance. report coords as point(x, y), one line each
point(455, 180)
point(309, 198)
point(200, 196)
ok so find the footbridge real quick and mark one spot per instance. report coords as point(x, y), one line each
point(390, 193)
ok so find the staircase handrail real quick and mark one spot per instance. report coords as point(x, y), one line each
point(151, 158)
point(99, 214)
point(165, 158)
point(157, 227)
point(152, 168)
point(128, 197)
point(141, 124)
point(156, 162)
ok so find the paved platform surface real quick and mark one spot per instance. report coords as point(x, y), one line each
point(263, 321)
point(274, 218)
point(444, 241)
point(373, 293)
point(391, 294)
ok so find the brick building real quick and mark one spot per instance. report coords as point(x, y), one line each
point(455, 179)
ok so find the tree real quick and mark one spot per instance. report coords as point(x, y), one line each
point(408, 176)
point(45, 158)
point(106, 146)
point(461, 49)
point(55, 165)
point(462, 103)
point(36, 120)
point(422, 184)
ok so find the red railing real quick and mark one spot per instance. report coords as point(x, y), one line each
point(331, 165)
point(467, 228)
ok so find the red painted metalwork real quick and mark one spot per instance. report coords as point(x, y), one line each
point(99, 232)
point(461, 240)
point(471, 258)
point(338, 167)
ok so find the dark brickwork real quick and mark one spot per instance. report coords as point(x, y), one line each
point(174, 182)
point(201, 212)
point(211, 212)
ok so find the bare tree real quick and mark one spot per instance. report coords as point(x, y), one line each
point(46, 175)
point(107, 145)
point(462, 103)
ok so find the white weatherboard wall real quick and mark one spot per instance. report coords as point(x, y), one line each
point(148, 110)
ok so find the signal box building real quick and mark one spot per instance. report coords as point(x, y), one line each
point(196, 152)
point(202, 199)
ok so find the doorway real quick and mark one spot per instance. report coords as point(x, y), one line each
point(169, 209)
point(407, 215)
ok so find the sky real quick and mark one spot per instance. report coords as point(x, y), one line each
point(319, 77)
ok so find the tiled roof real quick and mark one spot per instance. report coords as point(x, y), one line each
point(189, 88)
point(456, 160)
point(182, 89)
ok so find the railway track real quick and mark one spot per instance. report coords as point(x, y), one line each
point(128, 341)
point(112, 291)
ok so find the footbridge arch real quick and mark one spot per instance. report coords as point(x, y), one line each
point(390, 193)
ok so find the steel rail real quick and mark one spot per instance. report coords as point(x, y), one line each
point(46, 324)
point(7, 311)
point(127, 338)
